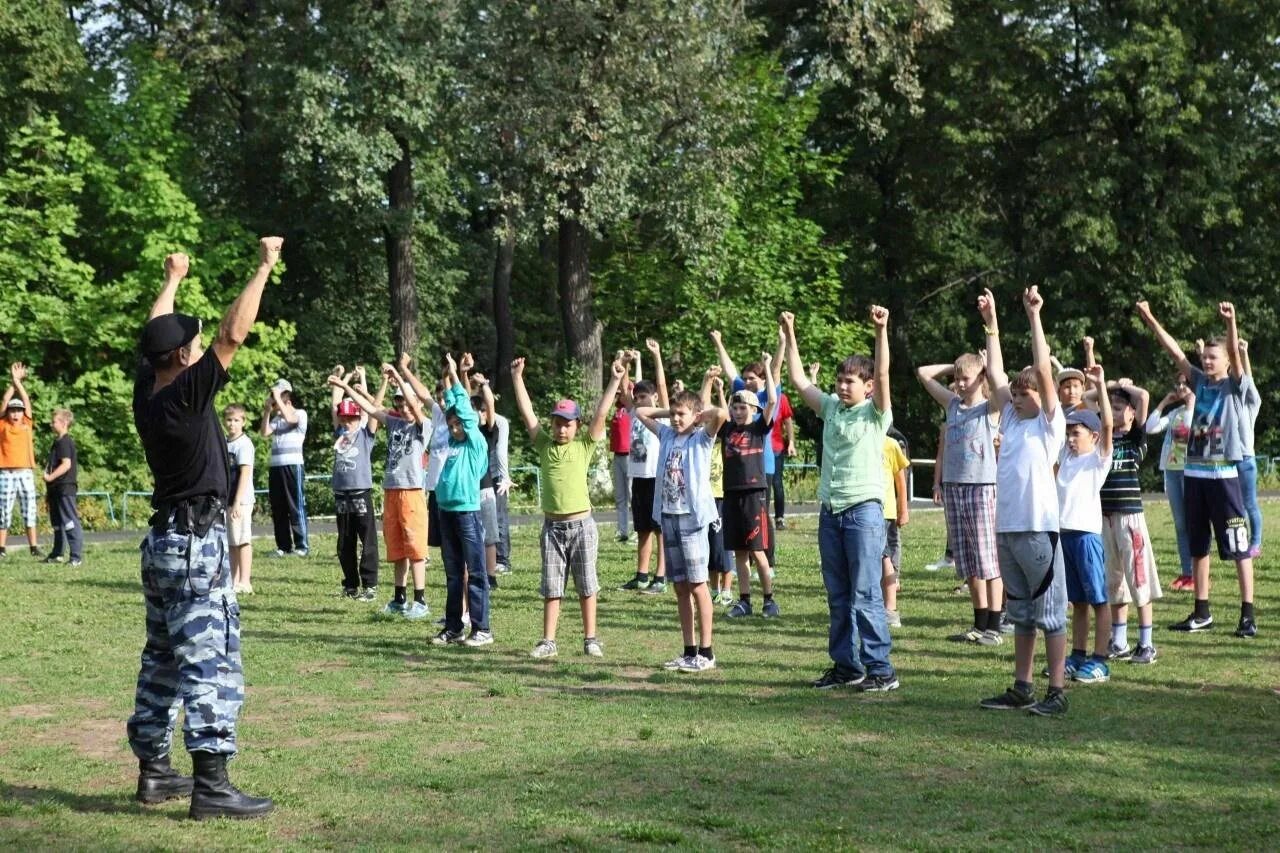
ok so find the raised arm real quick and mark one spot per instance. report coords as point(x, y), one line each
point(1087, 344)
point(1227, 311)
point(880, 393)
point(726, 363)
point(713, 419)
point(708, 379)
point(287, 411)
point(1094, 372)
point(1166, 340)
point(335, 391)
point(808, 392)
point(17, 373)
point(1032, 301)
point(240, 317)
point(617, 372)
point(176, 267)
point(771, 389)
point(407, 375)
point(1144, 400)
point(486, 391)
point(1244, 357)
point(659, 372)
point(265, 426)
point(465, 365)
point(930, 376)
point(523, 405)
point(997, 379)
point(340, 385)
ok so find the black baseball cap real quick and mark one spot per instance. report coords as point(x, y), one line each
point(168, 332)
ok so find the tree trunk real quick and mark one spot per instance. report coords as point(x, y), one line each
point(401, 280)
point(503, 323)
point(581, 329)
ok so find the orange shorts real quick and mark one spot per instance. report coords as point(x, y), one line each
point(404, 524)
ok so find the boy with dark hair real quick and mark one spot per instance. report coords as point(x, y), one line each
point(286, 424)
point(1211, 480)
point(353, 432)
point(17, 458)
point(240, 499)
point(643, 467)
point(686, 508)
point(851, 524)
point(569, 538)
point(60, 491)
point(1033, 431)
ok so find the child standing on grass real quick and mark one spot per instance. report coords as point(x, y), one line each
point(17, 459)
point(1033, 430)
point(721, 576)
point(851, 523)
point(1211, 481)
point(643, 469)
point(60, 492)
point(897, 512)
point(240, 454)
point(686, 509)
point(569, 538)
point(353, 432)
point(1081, 473)
point(1172, 416)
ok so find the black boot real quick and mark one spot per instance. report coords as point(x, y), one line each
point(157, 781)
point(215, 796)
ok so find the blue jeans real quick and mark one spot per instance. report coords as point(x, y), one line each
point(462, 547)
point(850, 544)
point(1178, 506)
point(1247, 468)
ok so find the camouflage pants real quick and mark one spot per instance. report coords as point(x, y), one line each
point(192, 655)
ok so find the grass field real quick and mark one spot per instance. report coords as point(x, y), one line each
point(367, 736)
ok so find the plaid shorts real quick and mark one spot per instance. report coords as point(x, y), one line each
point(686, 548)
point(17, 483)
point(569, 548)
point(970, 509)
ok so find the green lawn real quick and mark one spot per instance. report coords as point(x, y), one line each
point(368, 736)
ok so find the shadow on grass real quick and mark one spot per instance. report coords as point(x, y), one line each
point(41, 798)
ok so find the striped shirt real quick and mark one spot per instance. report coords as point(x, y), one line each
point(1122, 493)
point(287, 438)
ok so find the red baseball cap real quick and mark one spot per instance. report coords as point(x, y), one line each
point(566, 409)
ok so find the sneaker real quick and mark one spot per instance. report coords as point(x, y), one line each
point(75, 563)
point(972, 635)
point(1183, 583)
point(1074, 662)
point(621, 538)
point(346, 593)
point(893, 619)
point(656, 587)
point(877, 684)
point(634, 583)
point(835, 677)
point(280, 553)
point(544, 649)
point(478, 638)
point(771, 610)
point(417, 610)
point(723, 598)
point(301, 552)
point(51, 559)
point(696, 663)
point(1054, 704)
point(4, 552)
point(592, 647)
point(449, 638)
point(1144, 654)
point(504, 569)
point(780, 524)
point(1012, 699)
point(1115, 652)
point(394, 608)
point(369, 593)
point(990, 638)
point(35, 552)
point(739, 609)
point(1092, 672)
point(939, 564)
point(960, 589)
point(1248, 629)
point(675, 663)
point(1192, 625)
point(1006, 627)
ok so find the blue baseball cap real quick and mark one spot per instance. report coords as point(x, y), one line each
point(1087, 418)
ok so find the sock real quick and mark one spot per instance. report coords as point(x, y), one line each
point(400, 595)
point(706, 652)
point(1119, 634)
point(690, 651)
point(768, 596)
point(1078, 653)
point(420, 596)
point(1246, 610)
point(993, 620)
point(1202, 608)
point(1144, 635)
point(643, 577)
point(746, 596)
point(980, 618)
point(1022, 687)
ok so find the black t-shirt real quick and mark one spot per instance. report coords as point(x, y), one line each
point(743, 448)
point(180, 431)
point(63, 448)
point(491, 440)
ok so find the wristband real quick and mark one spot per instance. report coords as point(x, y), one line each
point(991, 331)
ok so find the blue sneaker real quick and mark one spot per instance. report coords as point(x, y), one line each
point(394, 608)
point(417, 610)
point(1092, 672)
point(1074, 662)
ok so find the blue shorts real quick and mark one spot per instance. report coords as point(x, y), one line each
point(1086, 565)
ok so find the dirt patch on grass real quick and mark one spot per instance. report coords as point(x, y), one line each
point(34, 712)
point(391, 718)
point(327, 738)
point(313, 666)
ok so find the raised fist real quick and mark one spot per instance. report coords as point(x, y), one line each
point(517, 367)
point(269, 250)
point(449, 363)
point(651, 344)
point(1032, 300)
point(338, 371)
point(1095, 375)
point(466, 362)
point(404, 361)
point(1088, 343)
point(987, 306)
point(787, 319)
point(1226, 310)
point(715, 335)
point(879, 316)
point(177, 265)
point(714, 371)
point(1143, 308)
point(618, 369)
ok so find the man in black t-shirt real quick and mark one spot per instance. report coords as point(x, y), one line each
point(192, 653)
point(60, 492)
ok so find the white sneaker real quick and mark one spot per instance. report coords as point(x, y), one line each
point(697, 663)
point(479, 638)
point(593, 647)
point(675, 663)
point(893, 618)
point(544, 649)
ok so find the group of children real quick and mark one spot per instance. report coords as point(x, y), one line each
point(17, 477)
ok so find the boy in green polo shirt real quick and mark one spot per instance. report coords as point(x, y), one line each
point(569, 540)
point(855, 420)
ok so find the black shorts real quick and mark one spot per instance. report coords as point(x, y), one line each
point(1218, 506)
point(642, 504)
point(892, 543)
point(715, 538)
point(433, 521)
point(746, 520)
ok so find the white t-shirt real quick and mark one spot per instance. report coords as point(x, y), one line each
point(643, 459)
point(1080, 480)
point(1026, 494)
point(438, 448)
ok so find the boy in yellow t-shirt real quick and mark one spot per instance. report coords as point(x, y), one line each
point(17, 459)
point(897, 512)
